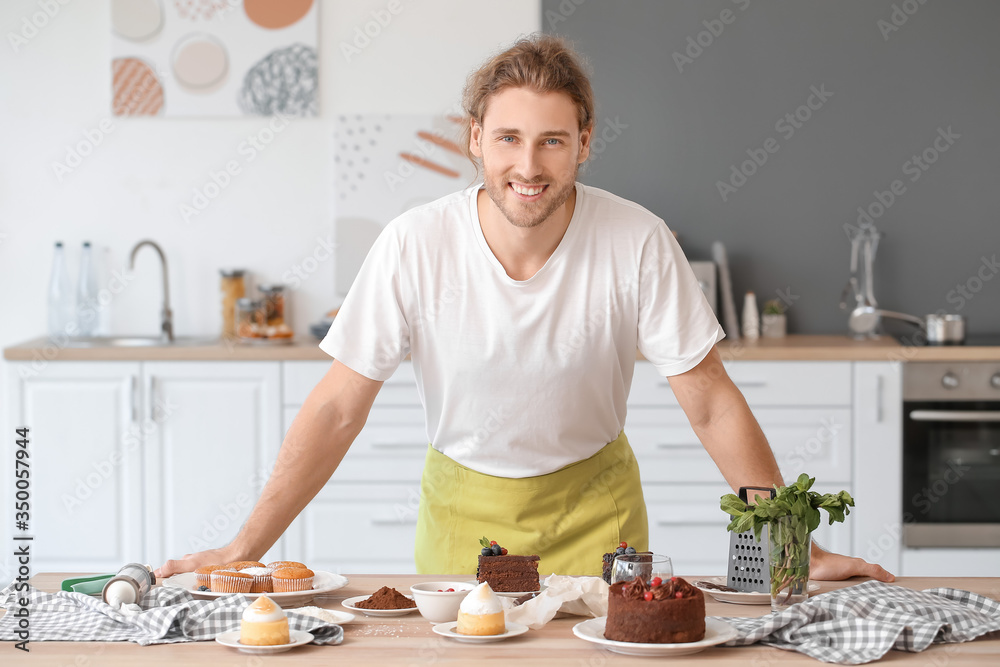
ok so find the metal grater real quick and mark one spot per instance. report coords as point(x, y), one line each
point(749, 562)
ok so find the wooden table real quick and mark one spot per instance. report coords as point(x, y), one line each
point(408, 640)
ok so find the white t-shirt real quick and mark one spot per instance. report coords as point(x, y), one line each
point(522, 378)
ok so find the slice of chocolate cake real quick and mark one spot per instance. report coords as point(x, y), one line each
point(505, 573)
point(509, 574)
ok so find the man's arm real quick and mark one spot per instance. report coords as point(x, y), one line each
point(723, 422)
point(331, 417)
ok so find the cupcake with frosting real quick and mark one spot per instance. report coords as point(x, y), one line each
point(264, 623)
point(481, 613)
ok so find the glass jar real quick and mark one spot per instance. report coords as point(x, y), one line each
point(274, 304)
point(790, 545)
point(233, 288)
point(249, 318)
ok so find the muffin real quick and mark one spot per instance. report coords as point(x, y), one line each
point(264, 624)
point(291, 579)
point(230, 581)
point(282, 564)
point(243, 564)
point(261, 579)
point(203, 574)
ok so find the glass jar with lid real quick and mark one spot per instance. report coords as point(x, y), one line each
point(233, 288)
point(249, 319)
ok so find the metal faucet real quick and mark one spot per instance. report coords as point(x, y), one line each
point(166, 317)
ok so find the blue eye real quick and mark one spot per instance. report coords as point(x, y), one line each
point(504, 139)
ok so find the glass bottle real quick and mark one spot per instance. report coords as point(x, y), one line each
point(86, 294)
point(61, 315)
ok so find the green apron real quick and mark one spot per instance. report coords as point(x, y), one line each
point(569, 517)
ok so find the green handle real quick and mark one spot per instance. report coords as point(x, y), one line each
point(87, 585)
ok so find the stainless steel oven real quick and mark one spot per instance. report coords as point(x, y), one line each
point(951, 454)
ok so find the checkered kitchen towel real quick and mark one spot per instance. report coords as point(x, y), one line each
point(861, 623)
point(168, 615)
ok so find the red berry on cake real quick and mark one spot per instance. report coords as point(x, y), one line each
point(678, 595)
point(656, 581)
point(647, 596)
point(493, 542)
point(623, 545)
point(503, 552)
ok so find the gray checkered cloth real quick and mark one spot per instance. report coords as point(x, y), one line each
point(861, 623)
point(169, 615)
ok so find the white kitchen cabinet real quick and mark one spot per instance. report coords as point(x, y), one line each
point(804, 409)
point(878, 474)
point(364, 519)
point(216, 435)
point(86, 462)
point(143, 461)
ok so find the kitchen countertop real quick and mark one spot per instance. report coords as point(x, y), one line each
point(408, 640)
point(305, 348)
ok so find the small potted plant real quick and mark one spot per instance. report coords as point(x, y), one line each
point(773, 321)
point(791, 516)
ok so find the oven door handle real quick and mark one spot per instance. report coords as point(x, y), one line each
point(955, 415)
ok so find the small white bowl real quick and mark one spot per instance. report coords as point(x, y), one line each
point(440, 607)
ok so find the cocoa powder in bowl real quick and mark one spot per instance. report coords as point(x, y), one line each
point(386, 598)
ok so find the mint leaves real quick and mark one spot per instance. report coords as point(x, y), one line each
point(789, 537)
point(795, 500)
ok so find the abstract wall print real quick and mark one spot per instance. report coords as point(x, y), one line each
point(384, 166)
point(214, 57)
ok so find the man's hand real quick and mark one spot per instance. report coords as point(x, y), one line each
point(192, 562)
point(826, 566)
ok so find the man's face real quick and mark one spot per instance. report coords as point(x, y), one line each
point(531, 147)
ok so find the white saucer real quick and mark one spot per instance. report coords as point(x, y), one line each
point(323, 582)
point(506, 594)
point(716, 632)
point(448, 630)
point(232, 640)
point(740, 597)
point(350, 602)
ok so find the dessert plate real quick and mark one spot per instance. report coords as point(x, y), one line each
point(350, 602)
point(232, 640)
point(323, 582)
point(741, 597)
point(448, 630)
point(506, 594)
point(716, 632)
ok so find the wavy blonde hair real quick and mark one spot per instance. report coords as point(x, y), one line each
point(542, 63)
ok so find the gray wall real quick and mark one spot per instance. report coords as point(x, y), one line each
point(785, 226)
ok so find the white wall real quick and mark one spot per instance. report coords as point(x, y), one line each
point(57, 86)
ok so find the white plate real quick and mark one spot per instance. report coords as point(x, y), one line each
point(339, 617)
point(716, 632)
point(350, 602)
point(740, 597)
point(448, 630)
point(232, 640)
point(323, 582)
point(506, 594)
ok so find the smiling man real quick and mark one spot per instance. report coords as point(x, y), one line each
point(521, 302)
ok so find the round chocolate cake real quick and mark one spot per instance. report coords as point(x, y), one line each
point(655, 612)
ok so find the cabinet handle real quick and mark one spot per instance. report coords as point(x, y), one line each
point(878, 398)
point(393, 522)
point(133, 397)
point(399, 445)
point(679, 445)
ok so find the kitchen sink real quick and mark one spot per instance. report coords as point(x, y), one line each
point(140, 341)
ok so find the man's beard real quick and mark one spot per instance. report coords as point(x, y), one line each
point(528, 214)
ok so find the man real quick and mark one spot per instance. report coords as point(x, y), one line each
point(521, 302)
